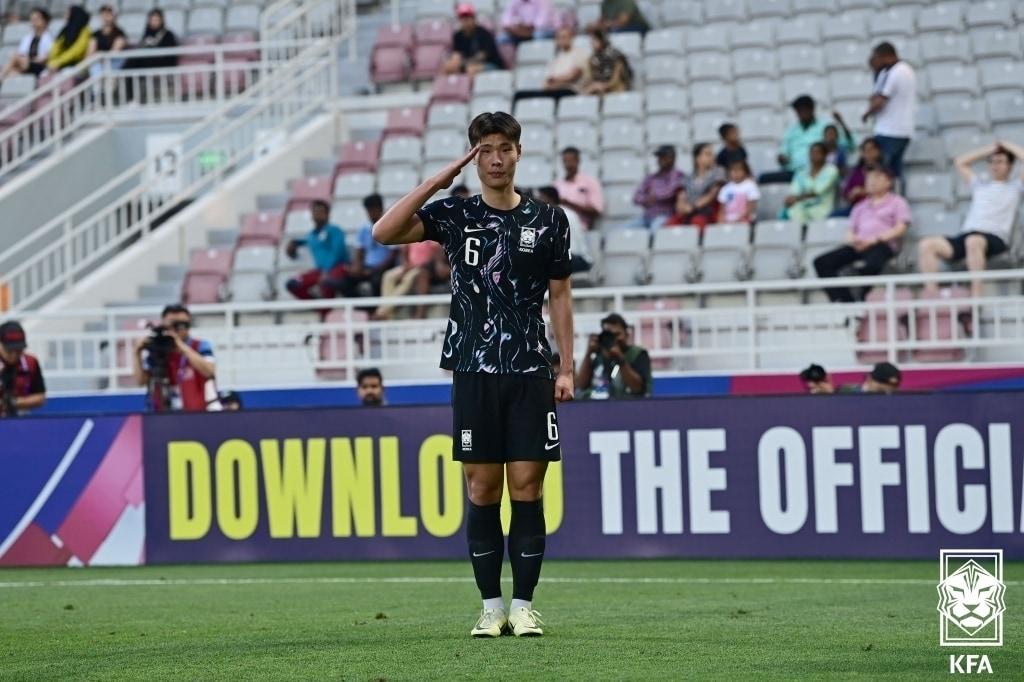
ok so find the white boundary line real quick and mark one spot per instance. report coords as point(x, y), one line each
point(186, 582)
point(44, 494)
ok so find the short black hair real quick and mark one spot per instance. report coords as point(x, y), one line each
point(373, 201)
point(321, 203)
point(615, 319)
point(369, 373)
point(803, 102)
point(230, 397)
point(821, 145)
point(814, 373)
point(885, 49)
point(173, 308)
point(43, 12)
point(571, 150)
point(155, 12)
point(743, 163)
point(551, 192)
point(496, 123)
point(831, 126)
point(1010, 156)
point(725, 129)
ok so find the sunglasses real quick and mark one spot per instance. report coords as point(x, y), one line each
point(181, 325)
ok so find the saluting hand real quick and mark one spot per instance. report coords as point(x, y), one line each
point(447, 175)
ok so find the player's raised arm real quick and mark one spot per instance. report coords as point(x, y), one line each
point(400, 224)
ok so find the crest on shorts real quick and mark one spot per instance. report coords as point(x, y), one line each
point(527, 239)
point(467, 439)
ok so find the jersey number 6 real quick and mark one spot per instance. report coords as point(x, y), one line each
point(472, 251)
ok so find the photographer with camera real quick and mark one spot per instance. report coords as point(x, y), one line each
point(612, 367)
point(175, 368)
point(21, 379)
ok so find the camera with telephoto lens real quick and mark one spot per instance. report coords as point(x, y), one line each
point(160, 346)
point(606, 340)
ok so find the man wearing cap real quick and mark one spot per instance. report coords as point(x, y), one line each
point(884, 378)
point(794, 152)
point(657, 193)
point(473, 46)
point(817, 381)
point(190, 367)
point(21, 379)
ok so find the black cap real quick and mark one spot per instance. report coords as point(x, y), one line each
point(886, 373)
point(813, 373)
point(665, 149)
point(803, 102)
point(12, 336)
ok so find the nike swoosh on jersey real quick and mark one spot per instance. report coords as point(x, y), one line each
point(550, 446)
point(475, 229)
point(485, 553)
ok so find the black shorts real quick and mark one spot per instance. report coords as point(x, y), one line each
point(502, 418)
point(35, 68)
point(994, 245)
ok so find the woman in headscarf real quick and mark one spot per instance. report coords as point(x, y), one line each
point(72, 42)
point(157, 35)
point(609, 68)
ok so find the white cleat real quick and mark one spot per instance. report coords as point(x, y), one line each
point(492, 623)
point(525, 622)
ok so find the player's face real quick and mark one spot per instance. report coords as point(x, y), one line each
point(497, 160)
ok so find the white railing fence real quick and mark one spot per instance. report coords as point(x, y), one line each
point(43, 121)
point(58, 254)
point(748, 326)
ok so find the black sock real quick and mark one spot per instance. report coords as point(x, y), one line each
point(486, 547)
point(526, 539)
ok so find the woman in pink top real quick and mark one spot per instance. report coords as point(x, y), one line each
point(877, 225)
point(423, 266)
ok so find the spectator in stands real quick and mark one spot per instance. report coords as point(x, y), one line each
point(816, 380)
point(326, 243)
point(156, 36)
point(797, 140)
point(613, 367)
point(854, 188)
point(525, 20)
point(579, 191)
point(697, 203)
point(371, 259)
point(473, 46)
point(460, 191)
point(739, 196)
point(884, 378)
point(732, 146)
point(230, 401)
point(423, 265)
point(33, 49)
point(370, 387)
point(620, 15)
point(839, 142)
point(609, 68)
point(72, 42)
point(567, 73)
point(21, 378)
point(657, 193)
point(877, 226)
point(581, 260)
point(893, 105)
point(812, 193)
point(189, 366)
point(110, 38)
point(989, 223)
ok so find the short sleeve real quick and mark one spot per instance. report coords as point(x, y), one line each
point(903, 211)
point(753, 192)
point(37, 385)
point(892, 81)
point(205, 349)
point(438, 221)
point(560, 265)
point(642, 366)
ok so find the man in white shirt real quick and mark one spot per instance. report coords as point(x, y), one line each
point(33, 49)
point(527, 20)
point(893, 105)
point(989, 223)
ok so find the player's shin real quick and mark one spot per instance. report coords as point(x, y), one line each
point(486, 550)
point(526, 540)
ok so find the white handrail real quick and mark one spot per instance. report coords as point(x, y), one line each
point(56, 255)
point(748, 336)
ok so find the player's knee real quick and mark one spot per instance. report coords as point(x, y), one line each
point(483, 492)
point(524, 491)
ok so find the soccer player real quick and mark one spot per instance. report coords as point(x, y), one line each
point(506, 251)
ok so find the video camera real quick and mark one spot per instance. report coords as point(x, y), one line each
point(606, 340)
point(160, 345)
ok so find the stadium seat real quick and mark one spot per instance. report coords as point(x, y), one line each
point(758, 92)
point(664, 69)
point(874, 327)
point(623, 105)
point(674, 255)
point(530, 77)
point(452, 88)
point(249, 287)
point(619, 168)
point(666, 41)
point(394, 183)
point(801, 59)
point(448, 116)
point(492, 83)
point(211, 262)
point(769, 8)
point(958, 110)
point(715, 97)
point(929, 187)
point(440, 145)
point(202, 288)
point(997, 74)
point(625, 256)
point(354, 185)
point(538, 140)
point(941, 17)
point(308, 189)
point(405, 121)
point(433, 32)
point(619, 206)
point(726, 10)
point(620, 134)
point(349, 215)
point(427, 61)
point(626, 42)
point(394, 35)
point(892, 22)
point(175, 21)
point(990, 13)
point(707, 38)
point(389, 65)
point(759, 126)
point(535, 53)
point(848, 25)
point(776, 250)
point(534, 172)
point(941, 323)
point(938, 223)
point(754, 61)
point(489, 103)
point(1005, 106)
point(799, 30)
point(540, 110)
point(668, 129)
point(955, 79)
point(297, 223)
point(845, 54)
point(205, 20)
point(725, 251)
point(667, 99)
point(795, 85)
point(579, 108)
point(926, 151)
point(577, 134)
point(715, 67)
point(682, 14)
point(850, 85)
point(772, 195)
point(989, 42)
point(943, 48)
point(759, 33)
point(402, 150)
point(257, 258)
point(243, 18)
point(265, 227)
point(822, 236)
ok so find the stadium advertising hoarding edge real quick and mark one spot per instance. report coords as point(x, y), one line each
point(838, 476)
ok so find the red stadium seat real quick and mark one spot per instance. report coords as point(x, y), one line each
point(389, 65)
point(427, 61)
point(211, 262)
point(406, 121)
point(200, 40)
point(202, 288)
point(434, 32)
point(358, 156)
point(454, 88)
point(306, 190)
point(240, 38)
point(940, 326)
point(391, 35)
point(658, 334)
point(334, 344)
point(265, 227)
point(877, 331)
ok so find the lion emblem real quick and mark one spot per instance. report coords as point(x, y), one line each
point(971, 597)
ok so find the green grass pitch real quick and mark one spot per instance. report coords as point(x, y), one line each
point(635, 620)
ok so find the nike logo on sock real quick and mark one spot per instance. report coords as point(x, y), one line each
point(484, 553)
point(529, 556)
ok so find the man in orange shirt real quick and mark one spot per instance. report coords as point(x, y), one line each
point(423, 265)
